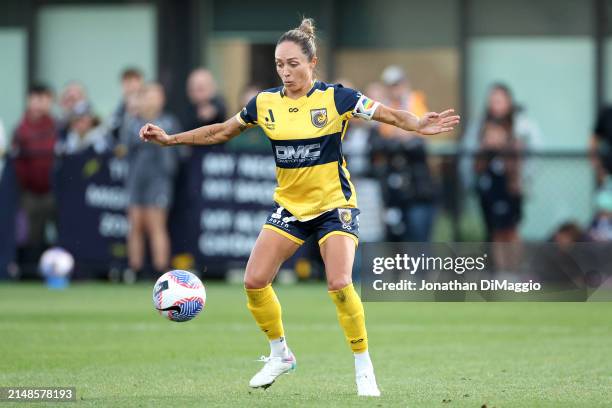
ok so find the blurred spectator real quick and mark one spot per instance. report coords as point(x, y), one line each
point(499, 188)
point(502, 108)
point(498, 178)
point(33, 147)
point(73, 97)
point(207, 106)
point(252, 139)
point(600, 229)
point(150, 180)
point(401, 159)
point(83, 132)
point(2, 139)
point(498, 138)
point(601, 145)
point(560, 263)
point(2, 146)
point(568, 234)
point(131, 83)
point(356, 141)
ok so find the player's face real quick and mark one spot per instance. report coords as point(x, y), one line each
point(293, 66)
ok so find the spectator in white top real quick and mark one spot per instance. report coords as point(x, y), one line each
point(500, 108)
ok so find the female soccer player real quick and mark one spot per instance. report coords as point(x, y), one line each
point(305, 121)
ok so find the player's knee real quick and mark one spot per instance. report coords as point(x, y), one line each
point(338, 283)
point(254, 281)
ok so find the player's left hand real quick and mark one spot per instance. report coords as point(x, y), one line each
point(433, 123)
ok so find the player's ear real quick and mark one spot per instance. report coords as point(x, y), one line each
point(313, 62)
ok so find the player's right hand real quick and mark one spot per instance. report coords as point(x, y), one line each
point(155, 134)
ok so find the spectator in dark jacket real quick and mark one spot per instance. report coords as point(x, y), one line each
point(207, 106)
point(409, 190)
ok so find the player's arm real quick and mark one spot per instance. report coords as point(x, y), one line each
point(429, 124)
point(354, 104)
point(205, 135)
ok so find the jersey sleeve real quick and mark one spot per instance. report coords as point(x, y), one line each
point(248, 115)
point(351, 103)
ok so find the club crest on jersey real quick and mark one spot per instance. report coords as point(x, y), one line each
point(318, 117)
point(345, 217)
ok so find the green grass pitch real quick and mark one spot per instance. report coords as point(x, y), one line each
point(108, 342)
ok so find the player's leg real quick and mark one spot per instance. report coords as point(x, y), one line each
point(270, 251)
point(156, 226)
point(136, 238)
point(338, 253)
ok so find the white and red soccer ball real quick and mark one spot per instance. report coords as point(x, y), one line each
point(179, 295)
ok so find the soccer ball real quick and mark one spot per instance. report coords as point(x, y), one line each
point(56, 263)
point(179, 295)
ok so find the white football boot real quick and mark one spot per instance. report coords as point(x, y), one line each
point(274, 367)
point(366, 384)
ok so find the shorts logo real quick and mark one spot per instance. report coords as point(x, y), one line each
point(278, 214)
point(318, 117)
point(276, 218)
point(345, 216)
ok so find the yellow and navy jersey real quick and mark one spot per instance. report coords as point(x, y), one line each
point(306, 136)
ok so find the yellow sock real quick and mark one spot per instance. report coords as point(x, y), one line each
point(266, 310)
point(351, 317)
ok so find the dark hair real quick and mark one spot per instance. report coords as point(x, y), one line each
point(40, 89)
point(131, 72)
point(304, 36)
point(500, 86)
point(572, 229)
point(507, 121)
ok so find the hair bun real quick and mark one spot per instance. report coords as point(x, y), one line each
point(307, 27)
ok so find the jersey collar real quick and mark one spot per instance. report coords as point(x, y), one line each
point(314, 87)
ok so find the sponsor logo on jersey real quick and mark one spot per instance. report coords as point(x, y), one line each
point(318, 117)
point(298, 154)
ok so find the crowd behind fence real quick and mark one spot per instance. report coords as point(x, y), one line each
point(85, 184)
